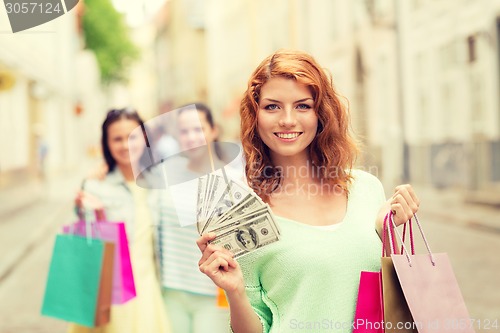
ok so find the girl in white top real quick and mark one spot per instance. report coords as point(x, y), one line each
point(189, 295)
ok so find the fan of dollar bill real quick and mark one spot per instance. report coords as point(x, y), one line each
point(240, 219)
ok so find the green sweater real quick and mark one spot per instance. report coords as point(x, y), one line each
point(308, 281)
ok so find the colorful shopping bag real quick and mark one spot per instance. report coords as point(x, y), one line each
point(77, 288)
point(103, 308)
point(369, 308)
point(369, 315)
point(123, 278)
point(397, 315)
point(431, 290)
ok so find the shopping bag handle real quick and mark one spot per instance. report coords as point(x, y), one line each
point(394, 229)
point(99, 213)
point(385, 232)
point(100, 216)
point(412, 245)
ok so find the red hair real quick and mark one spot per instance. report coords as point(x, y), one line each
point(333, 149)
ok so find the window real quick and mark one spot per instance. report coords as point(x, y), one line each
point(471, 49)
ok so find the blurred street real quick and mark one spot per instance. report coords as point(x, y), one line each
point(27, 235)
point(421, 81)
point(30, 216)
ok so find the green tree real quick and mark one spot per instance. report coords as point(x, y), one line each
point(108, 37)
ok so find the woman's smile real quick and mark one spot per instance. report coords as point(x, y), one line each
point(288, 136)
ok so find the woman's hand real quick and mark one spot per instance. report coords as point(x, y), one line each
point(404, 203)
point(86, 201)
point(99, 173)
point(219, 265)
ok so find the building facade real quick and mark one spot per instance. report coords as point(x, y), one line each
point(420, 77)
point(46, 107)
point(180, 53)
point(451, 90)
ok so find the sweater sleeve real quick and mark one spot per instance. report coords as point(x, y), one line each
point(261, 309)
point(255, 293)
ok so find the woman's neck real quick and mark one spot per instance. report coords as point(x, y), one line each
point(301, 178)
point(127, 172)
point(296, 170)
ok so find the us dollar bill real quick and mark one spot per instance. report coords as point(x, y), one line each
point(249, 236)
point(233, 223)
point(208, 188)
point(215, 185)
point(199, 206)
point(233, 194)
point(249, 204)
point(215, 193)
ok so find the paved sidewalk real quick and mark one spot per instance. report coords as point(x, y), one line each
point(17, 197)
point(30, 211)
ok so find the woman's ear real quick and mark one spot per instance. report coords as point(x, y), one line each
point(320, 127)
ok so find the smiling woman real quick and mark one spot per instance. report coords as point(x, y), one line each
point(300, 155)
point(118, 149)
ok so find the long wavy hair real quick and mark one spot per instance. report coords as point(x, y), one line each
point(332, 151)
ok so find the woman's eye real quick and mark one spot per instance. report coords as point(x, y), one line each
point(271, 107)
point(303, 106)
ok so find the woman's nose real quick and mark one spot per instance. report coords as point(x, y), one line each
point(288, 119)
point(195, 137)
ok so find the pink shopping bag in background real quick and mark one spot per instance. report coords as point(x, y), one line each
point(123, 278)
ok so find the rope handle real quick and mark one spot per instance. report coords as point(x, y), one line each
point(100, 216)
point(412, 244)
point(385, 232)
point(411, 240)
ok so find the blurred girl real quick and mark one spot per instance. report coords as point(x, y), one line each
point(189, 295)
point(122, 200)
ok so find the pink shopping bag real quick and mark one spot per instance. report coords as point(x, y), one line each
point(369, 315)
point(430, 288)
point(123, 278)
